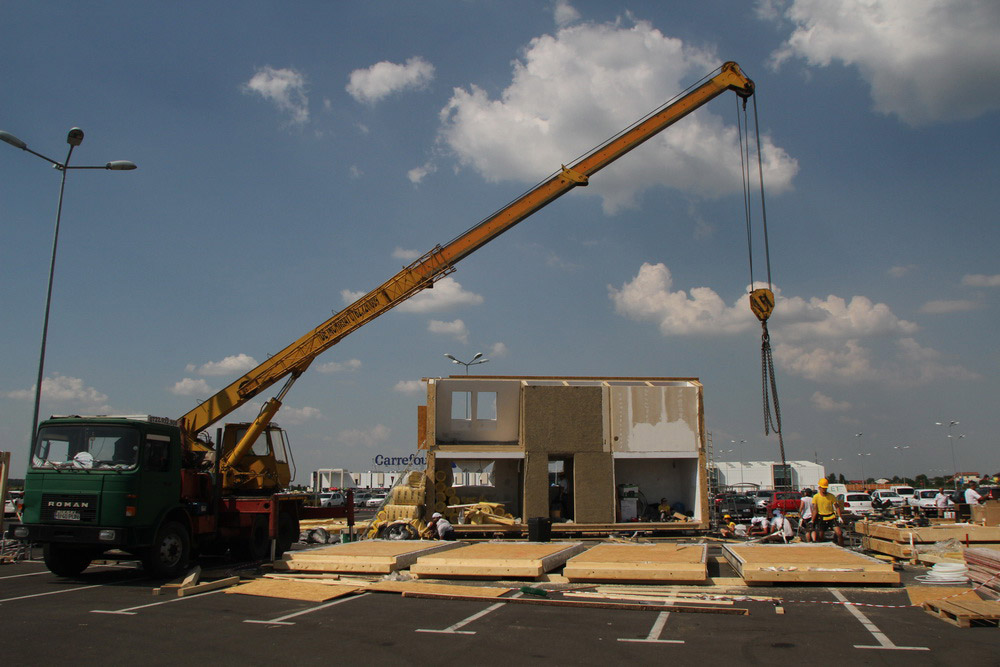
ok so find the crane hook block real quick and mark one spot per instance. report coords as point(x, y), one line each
point(574, 176)
point(762, 303)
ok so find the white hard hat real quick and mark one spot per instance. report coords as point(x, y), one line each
point(436, 515)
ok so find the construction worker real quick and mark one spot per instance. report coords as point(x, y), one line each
point(440, 527)
point(728, 527)
point(826, 514)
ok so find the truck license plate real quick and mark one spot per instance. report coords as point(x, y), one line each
point(67, 515)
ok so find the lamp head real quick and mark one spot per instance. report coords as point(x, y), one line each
point(12, 140)
point(74, 137)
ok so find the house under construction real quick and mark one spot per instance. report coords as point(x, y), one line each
point(587, 452)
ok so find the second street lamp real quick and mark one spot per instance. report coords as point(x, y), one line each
point(74, 138)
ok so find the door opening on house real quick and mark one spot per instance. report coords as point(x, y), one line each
point(561, 487)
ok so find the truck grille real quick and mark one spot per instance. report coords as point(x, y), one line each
point(66, 507)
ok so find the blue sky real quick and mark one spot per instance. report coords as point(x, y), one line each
point(294, 154)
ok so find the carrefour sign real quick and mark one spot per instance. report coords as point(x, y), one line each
point(412, 460)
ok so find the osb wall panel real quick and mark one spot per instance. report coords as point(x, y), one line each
point(536, 485)
point(655, 419)
point(593, 487)
point(562, 420)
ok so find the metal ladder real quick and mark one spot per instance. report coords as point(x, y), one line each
point(713, 479)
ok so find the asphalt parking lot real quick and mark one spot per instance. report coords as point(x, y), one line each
point(110, 615)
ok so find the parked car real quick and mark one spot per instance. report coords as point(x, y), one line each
point(376, 499)
point(361, 497)
point(856, 503)
point(924, 498)
point(761, 499)
point(738, 505)
point(906, 493)
point(331, 499)
point(988, 493)
point(786, 501)
point(885, 498)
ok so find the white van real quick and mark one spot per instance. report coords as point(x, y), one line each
point(906, 492)
point(837, 489)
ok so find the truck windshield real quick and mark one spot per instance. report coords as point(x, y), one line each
point(87, 447)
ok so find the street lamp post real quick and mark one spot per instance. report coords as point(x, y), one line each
point(478, 359)
point(954, 465)
point(864, 480)
point(74, 138)
point(741, 443)
point(900, 448)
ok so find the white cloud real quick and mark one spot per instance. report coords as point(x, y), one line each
point(289, 415)
point(192, 387)
point(385, 78)
point(232, 365)
point(943, 307)
point(405, 254)
point(446, 294)
point(374, 436)
point(339, 366)
point(455, 328)
point(827, 404)
point(564, 13)
point(350, 296)
point(410, 387)
point(900, 271)
point(586, 83)
point(497, 350)
point(418, 174)
point(286, 88)
point(355, 172)
point(66, 390)
point(925, 60)
point(980, 280)
point(820, 338)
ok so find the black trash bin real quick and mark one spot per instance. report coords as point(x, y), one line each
point(539, 529)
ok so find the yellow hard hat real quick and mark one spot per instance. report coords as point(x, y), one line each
point(823, 484)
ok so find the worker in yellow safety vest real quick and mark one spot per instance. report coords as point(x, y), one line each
point(826, 514)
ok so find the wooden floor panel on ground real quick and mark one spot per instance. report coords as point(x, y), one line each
point(497, 560)
point(369, 556)
point(640, 562)
point(807, 563)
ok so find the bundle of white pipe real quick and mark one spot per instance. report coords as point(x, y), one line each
point(945, 574)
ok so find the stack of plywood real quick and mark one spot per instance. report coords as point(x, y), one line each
point(984, 569)
point(640, 563)
point(903, 541)
point(493, 560)
point(369, 556)
point(806, 563)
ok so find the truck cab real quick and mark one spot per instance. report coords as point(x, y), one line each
point(96, 484)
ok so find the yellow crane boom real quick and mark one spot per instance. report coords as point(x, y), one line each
point(439, 262)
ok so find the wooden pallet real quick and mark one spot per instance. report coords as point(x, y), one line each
point(965, 613)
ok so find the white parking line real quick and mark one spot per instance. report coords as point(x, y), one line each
point(654, 633)
point(130, 611)
point(884, 642)
point(66, 590)
point(35, 574)
point(454, 629)
point(282, 620)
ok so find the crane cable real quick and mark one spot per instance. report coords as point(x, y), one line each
point(762, 299)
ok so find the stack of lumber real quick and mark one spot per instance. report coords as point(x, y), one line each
point(984, 569)
point(493, 560)
point(369, 556)
point(191, 584)
point(487, 513)
point(806, 563)
point(639, 562)
point(965, 613)
point(910, 542)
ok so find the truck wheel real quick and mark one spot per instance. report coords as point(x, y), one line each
point(257, 545)
point(288, 532)
point(168, 556)
point(66, 562)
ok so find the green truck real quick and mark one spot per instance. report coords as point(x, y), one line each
point(126, 487)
